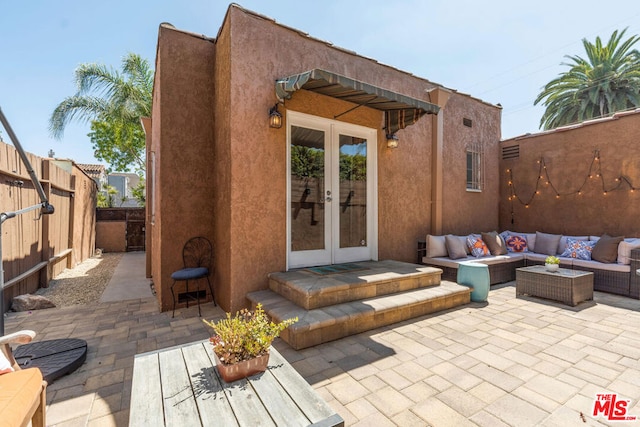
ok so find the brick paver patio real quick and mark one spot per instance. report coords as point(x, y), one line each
point(509, 362)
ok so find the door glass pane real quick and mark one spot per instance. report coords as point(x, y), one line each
point(353, 192)
point(307, 189)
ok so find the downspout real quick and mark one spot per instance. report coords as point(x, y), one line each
point(148, 206)
point(438, 96)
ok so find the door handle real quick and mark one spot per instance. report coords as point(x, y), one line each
point(328, 199)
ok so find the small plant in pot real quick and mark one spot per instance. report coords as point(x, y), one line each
point(552, 263)
point(241, 343)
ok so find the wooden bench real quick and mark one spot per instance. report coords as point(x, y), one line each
point(180, 386)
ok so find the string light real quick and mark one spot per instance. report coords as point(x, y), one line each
point(543, 174)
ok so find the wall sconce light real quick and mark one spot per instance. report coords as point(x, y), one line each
point(275, 118)
point(392, 140)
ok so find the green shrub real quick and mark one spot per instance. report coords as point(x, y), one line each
point(552, 260)
point(246, 335)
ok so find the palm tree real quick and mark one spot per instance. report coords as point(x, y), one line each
point(113, 102)
point(606, 82)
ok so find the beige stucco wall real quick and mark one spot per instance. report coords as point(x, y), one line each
point(182, 143)
point(262, 52)
point(111, 236)
point(221, 171)
point(568, 155)
point(465, 211)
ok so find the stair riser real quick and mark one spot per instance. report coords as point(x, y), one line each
point(353, 293)
point(371, 320)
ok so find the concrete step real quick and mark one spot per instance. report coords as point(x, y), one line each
point(325, 324)
point(311, 290)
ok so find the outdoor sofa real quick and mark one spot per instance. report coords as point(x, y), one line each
point(617, 275)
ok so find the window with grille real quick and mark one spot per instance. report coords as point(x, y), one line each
point(475, 168)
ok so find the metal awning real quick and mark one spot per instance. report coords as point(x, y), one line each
point(400, 110)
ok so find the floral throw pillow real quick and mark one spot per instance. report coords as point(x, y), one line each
point(477, 247)
point(516, 243)
point(579, 249)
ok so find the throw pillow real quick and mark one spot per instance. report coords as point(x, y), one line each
point(477, 246)
point(495, 243)
point(547, 244)
point(606, 249)
point(624, 250)
point(516, 243)
point(563, 241)
point(505, 234)
point(463, 240)
point(531, 242)
point(455, 247)
point(579, 249)
point(435, 246)
point(5, 366)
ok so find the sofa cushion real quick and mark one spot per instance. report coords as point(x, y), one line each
point(455, 248)
point(595, 265)
point(547, 243)
point(516, 243)
point(606, 249)
point(624, 250)
point(436, 246)
point(477, 246)
point(563, 241)
point(531, 241)
point(463, 239)
point(495, 243)
point(489, 260)
point(580, 249)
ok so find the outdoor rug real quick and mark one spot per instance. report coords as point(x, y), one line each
point(336, 268)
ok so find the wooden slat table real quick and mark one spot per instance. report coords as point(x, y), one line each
point(180, 386)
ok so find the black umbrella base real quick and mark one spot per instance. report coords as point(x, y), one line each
point(55, 358)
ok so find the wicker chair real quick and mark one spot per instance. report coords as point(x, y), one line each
point(23, 391)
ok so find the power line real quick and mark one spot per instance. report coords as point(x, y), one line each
point(562, 48)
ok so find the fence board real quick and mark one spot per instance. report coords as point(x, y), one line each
point(29, 240)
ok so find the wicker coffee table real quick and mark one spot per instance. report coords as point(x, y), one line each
point(564, 285)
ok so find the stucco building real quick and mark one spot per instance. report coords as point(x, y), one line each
point(323, 188)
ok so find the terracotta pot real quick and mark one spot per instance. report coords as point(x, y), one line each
point(244, 369)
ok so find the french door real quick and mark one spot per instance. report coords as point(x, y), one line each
point(331, 187)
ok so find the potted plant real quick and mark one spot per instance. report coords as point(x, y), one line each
point(241, 343)
point(552, 263)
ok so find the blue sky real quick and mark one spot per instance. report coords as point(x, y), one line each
point(499, 51)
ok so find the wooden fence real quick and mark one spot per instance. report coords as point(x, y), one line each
point(37, 248)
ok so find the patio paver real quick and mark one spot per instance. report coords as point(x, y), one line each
point(512, 361)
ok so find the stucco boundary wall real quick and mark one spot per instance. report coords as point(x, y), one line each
point(35, 249)
point(587, 176)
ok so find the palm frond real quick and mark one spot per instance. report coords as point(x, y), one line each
point(607, 81)
point(82, 108)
